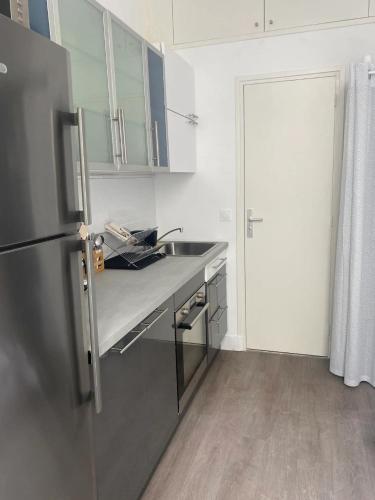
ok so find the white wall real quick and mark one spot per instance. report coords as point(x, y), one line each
point(130, 201)
point(195, 201)
point(132, 12)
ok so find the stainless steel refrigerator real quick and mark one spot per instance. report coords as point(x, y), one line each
point(45, 376)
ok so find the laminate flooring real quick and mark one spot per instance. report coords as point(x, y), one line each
point(271, 427)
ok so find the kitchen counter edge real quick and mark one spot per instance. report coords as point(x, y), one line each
point(114, 288)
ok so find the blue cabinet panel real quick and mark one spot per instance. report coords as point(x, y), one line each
point(39, 17)
point(158, 108)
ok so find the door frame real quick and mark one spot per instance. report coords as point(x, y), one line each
point(241, 83)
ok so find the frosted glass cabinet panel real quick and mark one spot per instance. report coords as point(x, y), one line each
point(130, 95)
point(295, 13)
point(82, 33)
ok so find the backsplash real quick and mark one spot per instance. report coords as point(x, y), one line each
point(129, 201)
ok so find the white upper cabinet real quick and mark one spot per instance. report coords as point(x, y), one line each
point(180, 93)
point(179, 83)
point(298, 13)
point(372, 7)
point(203, 20)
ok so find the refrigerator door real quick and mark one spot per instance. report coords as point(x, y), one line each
point(38, 181)
point(45, 414)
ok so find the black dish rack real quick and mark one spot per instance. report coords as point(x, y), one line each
point(140, 251)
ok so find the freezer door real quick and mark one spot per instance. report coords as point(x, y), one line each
point(38, 184)
point(45, 414)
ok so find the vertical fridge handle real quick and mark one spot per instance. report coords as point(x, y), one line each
point(84, 169)
point(95, 361)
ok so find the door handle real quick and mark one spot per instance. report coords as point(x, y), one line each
point(250, 222)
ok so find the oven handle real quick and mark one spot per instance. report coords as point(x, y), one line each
point(190, 325)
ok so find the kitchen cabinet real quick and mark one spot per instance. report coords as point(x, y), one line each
point(140, 411)
point(181, 115)
point(83, 35)
point(200, 20)
point(38, 15)
point(120, 81)
point(296, 13)
point(109, 81)
point(129, 95)
point(157, 108)
point(182, 144)
point(218, 322)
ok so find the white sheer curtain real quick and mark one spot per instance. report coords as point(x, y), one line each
point(353, 325)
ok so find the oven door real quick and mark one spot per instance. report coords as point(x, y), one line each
point(191, 349)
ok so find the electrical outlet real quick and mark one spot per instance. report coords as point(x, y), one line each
point(226, 215)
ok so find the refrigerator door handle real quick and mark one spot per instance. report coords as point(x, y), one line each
point(84, 169)
point(95, 361)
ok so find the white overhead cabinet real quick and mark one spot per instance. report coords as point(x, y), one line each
point(204, 21)
point(182, 118)
point(298, 13)
point(199, 20)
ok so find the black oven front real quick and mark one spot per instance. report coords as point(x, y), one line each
point(191, 345)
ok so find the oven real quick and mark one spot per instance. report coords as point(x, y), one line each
point(191, 345)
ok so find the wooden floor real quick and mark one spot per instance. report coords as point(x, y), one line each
point(268, 426)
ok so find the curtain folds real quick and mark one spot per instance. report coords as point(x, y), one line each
point(353, 322)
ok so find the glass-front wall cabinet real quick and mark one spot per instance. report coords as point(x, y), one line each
point(110, 78)
point(83, 35)
point(129, 76)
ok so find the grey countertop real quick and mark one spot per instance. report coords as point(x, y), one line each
point(125, 298)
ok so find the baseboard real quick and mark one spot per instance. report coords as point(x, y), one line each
point(233, 343)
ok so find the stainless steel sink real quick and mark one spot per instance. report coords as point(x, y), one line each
point(187, 248)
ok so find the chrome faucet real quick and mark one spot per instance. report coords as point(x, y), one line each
point(181, 229)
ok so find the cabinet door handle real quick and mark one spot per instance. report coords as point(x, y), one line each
point(220, 281)
point(220, 263)
point(122, 131)
point(121, 349)
point(223, 309)
point(160, 312)
point(157, 147)
point(220, 310)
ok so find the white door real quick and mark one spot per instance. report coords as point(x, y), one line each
point(199, 20)
point(289, 158)
point(294, 13)
point(372, 8)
